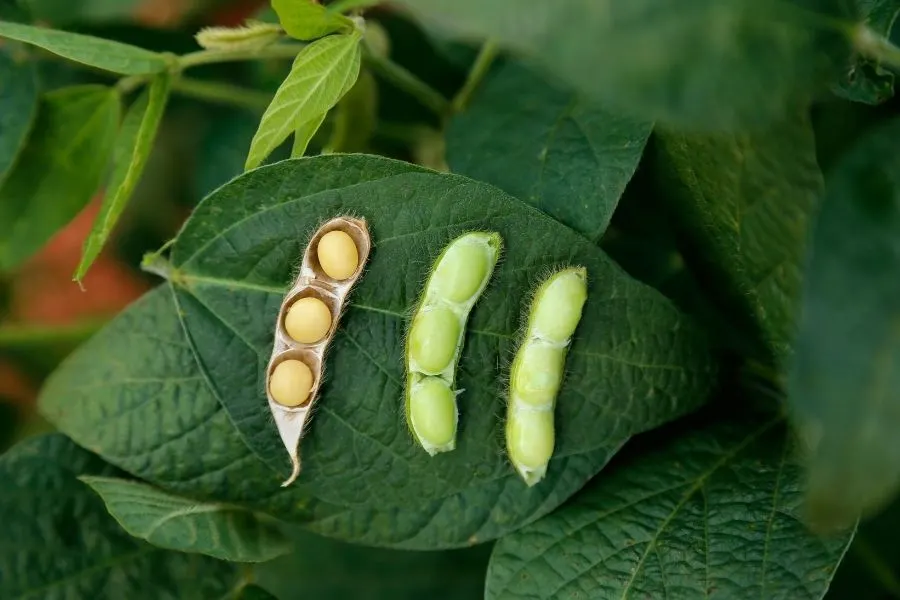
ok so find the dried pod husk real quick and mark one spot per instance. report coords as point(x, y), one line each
point(312, 282)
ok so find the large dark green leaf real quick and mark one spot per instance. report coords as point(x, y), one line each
point(157, 379)
point(715, 513)
point(59, 542)
point(864, 79)
point(547, 146)
point(326, 570)
point(18, 106)
point(696, 63)
point(845, 378)
point(59, 169)
point(176, 523)
point(744, 202)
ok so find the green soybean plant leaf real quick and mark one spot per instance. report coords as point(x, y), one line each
point(322, 73)
point(59, 542)
point(176, 523)
point(103, 54)
point(865, 80)
point(207, 335)
point(743, 202)
point(304, 134)
point(59, 170)
point(699, 63)
point(254, 592)
point(132, 149)
point(551, 147)
point(326, 569)
point(344, 6)
point(18, 106)
point(308, 20)
point(713, 513)
point(842, 388)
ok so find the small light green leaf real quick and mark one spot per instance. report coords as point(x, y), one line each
point(713, 513)
point(226, 532)
point(59, 169)
point(322, 73)
point(104, 54)
point(743, 202)
point(709, 64)
point(133, 145)
point(305, 133)
point(843, 388)
point(18, 106)
point(547, 146)
point(206, 335)
point(308, 20)
point(864, 80)
point(60, 542)
point(344, 6)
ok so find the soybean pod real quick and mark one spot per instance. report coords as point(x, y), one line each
point(435, 339)
point(307, 320)
point(538, 368)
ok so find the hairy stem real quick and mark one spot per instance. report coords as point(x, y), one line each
point(208, 57)
point(222, 93)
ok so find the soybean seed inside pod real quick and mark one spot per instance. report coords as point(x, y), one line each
point(338, 255)
point(435, 340)
point(538, 369)
point(291, 382)
point(308, 320)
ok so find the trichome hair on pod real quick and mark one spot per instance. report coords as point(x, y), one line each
point(306, 324)
point(435, 338)
point(538, 368)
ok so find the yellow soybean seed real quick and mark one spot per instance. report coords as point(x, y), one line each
point(530, 436)
point(338, 255)
point(538, 370)
point(432, 412)
point(291, 382)
point(435, 340)
point(308, 320)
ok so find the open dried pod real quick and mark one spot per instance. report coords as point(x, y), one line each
point(308, 318)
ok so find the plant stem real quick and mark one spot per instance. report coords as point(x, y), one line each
point(875, 46)
point(877, 566)
point(222, 93)
point(479, 70)
point(408, 82)
point(208, 57)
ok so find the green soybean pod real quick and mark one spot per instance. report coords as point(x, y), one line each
point(435, 339)
point(538, 369)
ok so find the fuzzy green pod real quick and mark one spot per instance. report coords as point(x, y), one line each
point(538, 369)
point(435, 339)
